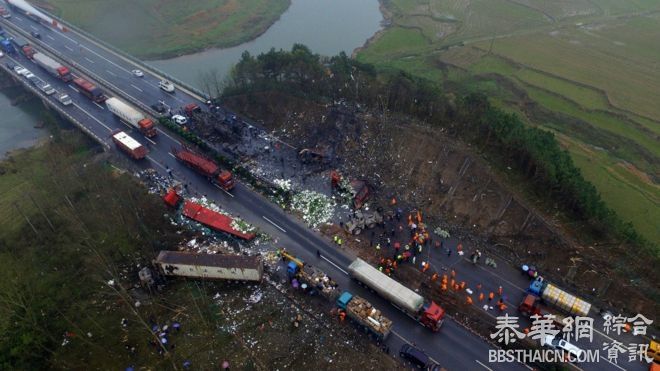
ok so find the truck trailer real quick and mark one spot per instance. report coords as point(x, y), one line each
point(205, 216)
point(429, 315)
point(364, 314)
point(89, 90)
point(558, 298)
point(129, 145)
point(53, 67)
point(132, 116)
point(206, 167)
point(210, 266)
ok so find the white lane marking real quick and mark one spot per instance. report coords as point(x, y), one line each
point(94, 118)
point(34, 28)
point(136, 88)
point(50, 37)
point(19, 18)
point(171, 154)
point(110, 72)
point(335, 265)
point(410, 343)
point(68, 47)
point(156, 162)
point(167, 135)
point(100, 106)
point(74, 89)
point(105, 59)
point(89, 60)
point(273, 223)
point(227, 192)
point(152, 142)
point(484, 366)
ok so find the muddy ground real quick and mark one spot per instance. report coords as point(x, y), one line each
point(426, 168)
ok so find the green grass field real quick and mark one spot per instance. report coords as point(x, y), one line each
point(591, 68)
point(160, 28)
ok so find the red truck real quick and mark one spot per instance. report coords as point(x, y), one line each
point(89, 90)
point(206, 167)
point(199, 213)
point(191, 108)
point(129, 145)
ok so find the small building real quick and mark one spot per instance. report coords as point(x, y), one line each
point(211, 266)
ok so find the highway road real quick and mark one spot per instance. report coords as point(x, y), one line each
point(454, 347)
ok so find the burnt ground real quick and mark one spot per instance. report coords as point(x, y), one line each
point(458, 190)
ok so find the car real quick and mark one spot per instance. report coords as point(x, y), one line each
point(179, 119)
point(166, 86)
point(415, 356)
point(34, 79)
point(556, 342)
point(137, 73)
point(20, 70)
point(2, 54)
point(161, 108)
point(45, 87)
point(28, 75)
point(35, 34)
point(64, 99)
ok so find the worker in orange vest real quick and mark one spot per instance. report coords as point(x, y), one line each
point(443, 287)
point(462, 285)
point(444, 278)
point(502, 307)
point(526, 330)
point(491, 296)
point(342, 316)
point(469, 300)
point(481, 296)
point(425, 267)
point(457, 287)
point(459, 247)
point(434, 277)
point(500, 291)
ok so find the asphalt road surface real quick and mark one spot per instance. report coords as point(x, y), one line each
point(453, 347)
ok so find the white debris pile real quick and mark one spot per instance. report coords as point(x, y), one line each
point(441, 232)
point(316, 208)
point(283, 184)
point(242, 226)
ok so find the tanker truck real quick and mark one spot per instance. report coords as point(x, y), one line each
point(131, 116)
point(430, 315)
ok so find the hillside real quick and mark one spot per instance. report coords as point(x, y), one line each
point(585, 70)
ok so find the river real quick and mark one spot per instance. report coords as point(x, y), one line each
point(17, 126)
point(326, 26)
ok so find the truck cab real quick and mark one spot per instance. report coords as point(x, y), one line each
point(191, 108)
point(225, 180)
point(343, 299)
point(433, 316)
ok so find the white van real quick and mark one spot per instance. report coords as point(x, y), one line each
point(166, 86)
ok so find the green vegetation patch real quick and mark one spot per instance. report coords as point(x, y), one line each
point(164, 28)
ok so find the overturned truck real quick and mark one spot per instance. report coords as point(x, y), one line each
point(210, 266)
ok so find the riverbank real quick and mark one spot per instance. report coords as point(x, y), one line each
point(159, 29)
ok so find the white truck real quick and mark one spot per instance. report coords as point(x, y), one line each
point(52, 66)
point(132, 116)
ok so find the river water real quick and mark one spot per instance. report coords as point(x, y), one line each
point(325, 26)
point(17, 123)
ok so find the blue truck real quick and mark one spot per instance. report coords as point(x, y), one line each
point(363, 314)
